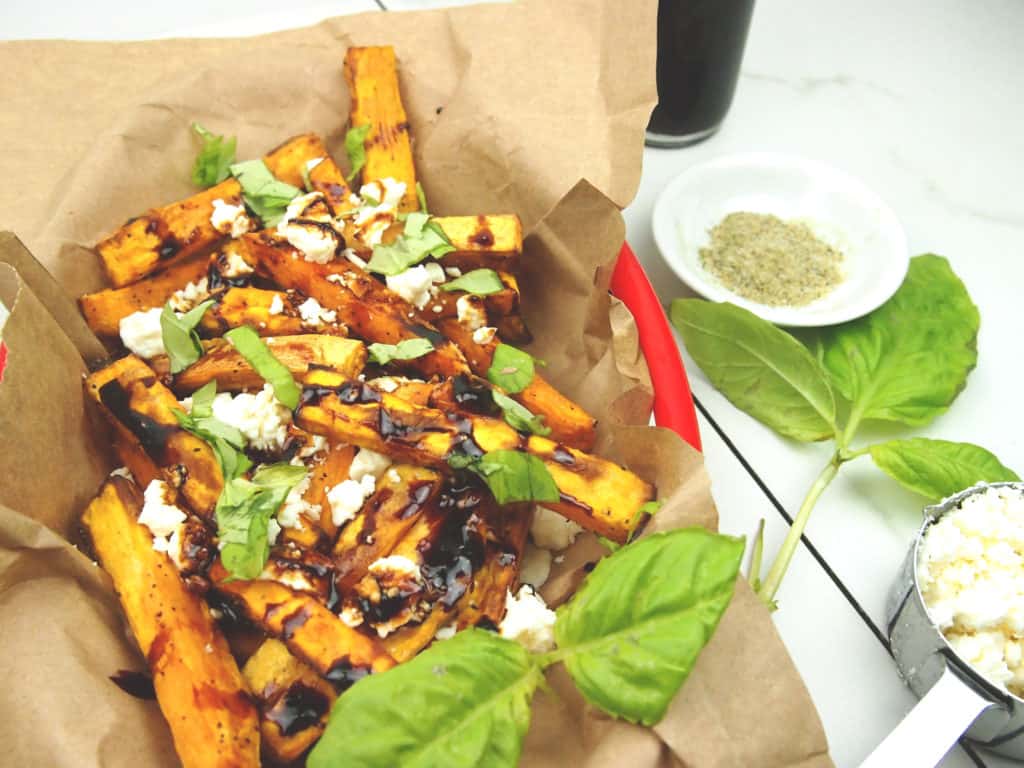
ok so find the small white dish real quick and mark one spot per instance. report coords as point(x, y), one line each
point(840, 210)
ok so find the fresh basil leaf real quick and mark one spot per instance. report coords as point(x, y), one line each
point(179, 335)
point(463, 461)
point(202, 400)
point(263, 192)
point(355, 148)
point(909, 359)
point(761, 369)
point(511, 368)
point(516, 476)
point(419, 239)
point(938, 468)
point(462, 703)
point(651, 507)
point(633, 631)
point(214, 160)
point(243, 515)
point(479, 282)
point(273, 371)
point(519, 416)
point(422, 197)
point(371, 200)
point(408, 349)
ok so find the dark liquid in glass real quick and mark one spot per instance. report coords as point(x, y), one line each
point(700, 48)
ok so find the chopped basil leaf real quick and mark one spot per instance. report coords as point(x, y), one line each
point(226, 441)
point(179, 335)
point(214, 160)
point(420, 238)
point(273, 371)
point(511, 475)
point(479, 282)
point(519, 416)
point(422, 197)
point(409, 349)
point(650, 507)
point(511, 368)
point(371, 200)
point(263, 193)
point(355, 148)
point(243, 517)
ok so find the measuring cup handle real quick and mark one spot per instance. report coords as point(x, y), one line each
point(930, 728)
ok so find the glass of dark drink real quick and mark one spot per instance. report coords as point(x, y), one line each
point(700, 48)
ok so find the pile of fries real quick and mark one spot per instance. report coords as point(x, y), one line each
point(337, 473)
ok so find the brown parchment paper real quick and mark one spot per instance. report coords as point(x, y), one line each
point(511, 107)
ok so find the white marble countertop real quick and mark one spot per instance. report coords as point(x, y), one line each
point(922, 100)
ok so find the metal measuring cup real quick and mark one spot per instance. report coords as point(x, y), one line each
point(955, 700)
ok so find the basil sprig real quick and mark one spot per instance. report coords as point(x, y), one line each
point(479, 282)
point(214, 160)
point(905, 362)
point(273, 371)
point(266, 196)
point(629, 639)
point(226, 441)
point(179, 335)
point(355, 148)
point(511, 475)
point(420, 238)
point(511, 368)
point(518, 416)
point(243, 515)
point(408, 349)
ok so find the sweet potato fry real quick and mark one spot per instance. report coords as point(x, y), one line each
point(569, 423)
point(172, 233)
point(252, 306)
point(309, 629)
point(294, 701)
point(104, 310)
point(369, 309)
point(222, 363)
point(596, 493)
point(382, 522)
point(198, 685)
point(141, 411)
point(331, 471)
point(372, 77)
point(485, 603)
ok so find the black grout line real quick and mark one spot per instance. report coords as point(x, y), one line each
point(875, 630)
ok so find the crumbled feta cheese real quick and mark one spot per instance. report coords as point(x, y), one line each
point(229, 219)
point(414, 284)
point(970, 570)
point(122, 472)
point(347, 497)
point(396, 565)
point(453, 271)
point(289, 515)
point(471, 312)
point(165, 521)
point(438, 309)
point(372, 221)
point(351, 255)
point(316, 444)
point(484, 335)
point(318, 242)
point(351, 616)
point(276, 305)
point(141, 333)
point(301, 207)
point(535, 566)
point(235, 265)
point(528, 621)
point(293, 578)
point(337, 279)
point(551, 531)
point(311, 164)
point(261, 418)
point(313, 314)
point(273, 530)
point(193, 293)
point(446, 633)
point(393, 476)
point(384, 383)
point(368, 462)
